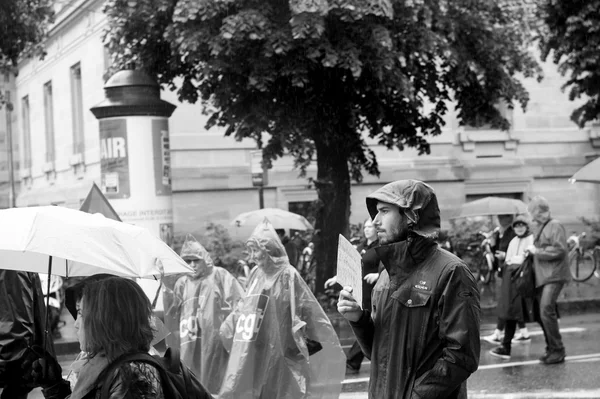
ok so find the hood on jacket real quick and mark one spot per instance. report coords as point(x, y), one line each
point(522, 219)
point(416, 199)
point(192, 249)
point(268, 242)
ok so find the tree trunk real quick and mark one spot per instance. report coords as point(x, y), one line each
point(333, 189)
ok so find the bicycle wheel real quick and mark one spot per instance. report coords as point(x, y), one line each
point(484, 269)
point(582, 266)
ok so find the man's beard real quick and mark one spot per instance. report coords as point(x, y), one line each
point(390, 236)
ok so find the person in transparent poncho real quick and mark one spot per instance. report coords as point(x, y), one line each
point(202, 301)
point(282, 345)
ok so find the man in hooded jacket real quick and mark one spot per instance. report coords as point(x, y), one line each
point(422, 331)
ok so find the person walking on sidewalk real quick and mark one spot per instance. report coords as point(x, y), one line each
point(511, 306)
point(499, 240)
point(202, 301)
point(552, 272)
point(422, 335)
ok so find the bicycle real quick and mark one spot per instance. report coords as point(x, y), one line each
point(482, 258)
point(582, 263)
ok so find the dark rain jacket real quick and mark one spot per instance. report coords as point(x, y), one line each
point(22, 320)
point(422, 334)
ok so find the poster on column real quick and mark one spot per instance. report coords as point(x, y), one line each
point(162, 156)
point(114, 159)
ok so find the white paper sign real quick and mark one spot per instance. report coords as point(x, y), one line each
point(349, 268)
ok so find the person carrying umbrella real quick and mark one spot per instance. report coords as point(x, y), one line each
point(281, 342)
point(512, 308)
point(202, 300)
point(499, 241)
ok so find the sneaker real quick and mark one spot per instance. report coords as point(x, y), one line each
point(493, 339)
point(555, 358)
point(543, 358)
point(351, 370)
point(501, 352)
point(521, 339)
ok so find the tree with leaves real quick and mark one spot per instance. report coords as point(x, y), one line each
point(316, 78)
point(23, 25)
point(571, 35)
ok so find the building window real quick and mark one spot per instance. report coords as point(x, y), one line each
point(77, 109)
point(26, 133)
point(49, 122)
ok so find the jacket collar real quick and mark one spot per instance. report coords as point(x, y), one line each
point(402, 258)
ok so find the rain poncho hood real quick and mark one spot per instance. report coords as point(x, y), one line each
point(416, 199)
point(268, 242)
point(192, 249)
point(282, 344)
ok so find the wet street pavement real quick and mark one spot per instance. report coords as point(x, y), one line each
point(520, 377)
point(523, 376)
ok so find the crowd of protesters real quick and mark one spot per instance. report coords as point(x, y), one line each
point(263, 334)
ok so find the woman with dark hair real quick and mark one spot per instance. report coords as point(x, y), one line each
point(113, 318)
point(511, 306)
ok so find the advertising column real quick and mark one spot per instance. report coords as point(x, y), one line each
point(135, 172)
point(135, 160)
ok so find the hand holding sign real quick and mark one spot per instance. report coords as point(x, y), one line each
point(349, 271)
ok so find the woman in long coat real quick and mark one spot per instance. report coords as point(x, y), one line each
point(511, 306)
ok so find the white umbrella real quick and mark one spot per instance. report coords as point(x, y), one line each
point(81, 244)
point(279, 218)
point(590, 173)
point(490, 206)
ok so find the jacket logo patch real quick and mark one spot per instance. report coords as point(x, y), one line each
point(423, 285)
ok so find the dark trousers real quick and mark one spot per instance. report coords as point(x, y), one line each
point(547, 296)
point(355, 356)
point(510, 326)
point(502, 324)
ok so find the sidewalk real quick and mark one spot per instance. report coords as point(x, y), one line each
point(576, 298)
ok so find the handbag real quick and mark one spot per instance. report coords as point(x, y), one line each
point(524, 276)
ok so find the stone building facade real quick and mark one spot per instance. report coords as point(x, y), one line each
point(59, 154)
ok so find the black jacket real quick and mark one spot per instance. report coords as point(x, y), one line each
point(423, 334)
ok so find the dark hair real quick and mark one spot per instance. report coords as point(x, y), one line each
point(280, 232)
point(117, 317)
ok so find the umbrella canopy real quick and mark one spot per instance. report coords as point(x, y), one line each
point(81, 244)
point(279, 218)
point(590, 173)
point(490, 206)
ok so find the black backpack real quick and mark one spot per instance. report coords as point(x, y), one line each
point(177, 381)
